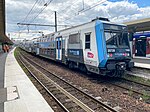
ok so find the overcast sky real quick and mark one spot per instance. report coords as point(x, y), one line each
point(69, 12)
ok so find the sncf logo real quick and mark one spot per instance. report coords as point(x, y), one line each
point(90, 55)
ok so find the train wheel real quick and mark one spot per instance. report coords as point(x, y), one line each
point(82, 68)
point(70, 65)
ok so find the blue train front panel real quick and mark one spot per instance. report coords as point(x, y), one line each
point(113, 49)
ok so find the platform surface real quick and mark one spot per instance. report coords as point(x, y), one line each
point(142, 62)
point(2, 90)
point(22, 95)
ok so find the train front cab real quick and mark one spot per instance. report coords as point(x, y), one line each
point(116, 50)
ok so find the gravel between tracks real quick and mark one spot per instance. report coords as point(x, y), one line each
point(107, 93)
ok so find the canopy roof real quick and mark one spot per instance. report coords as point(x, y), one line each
point(139, 25)
point(3, 37)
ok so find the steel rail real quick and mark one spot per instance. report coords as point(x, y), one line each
point(78, 102)
point(60, 104)
point(129, 89)
point(123, 87)
point(98, 101)
point(147, 85)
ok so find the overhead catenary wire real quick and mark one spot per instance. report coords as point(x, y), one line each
point(30, 10)
point(34, 7)
point(86, 9)
point(66, 8)
point(37, 9)
point(37, 2)
point(94, 6)
point(45, 5)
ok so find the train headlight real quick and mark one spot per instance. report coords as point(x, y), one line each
point(128, 54)
point(111, 50)
point(109, 55)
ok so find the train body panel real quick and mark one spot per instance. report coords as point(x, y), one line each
point(93, 47)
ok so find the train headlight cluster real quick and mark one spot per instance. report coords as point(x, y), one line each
point(109, 55)
point(126, 54)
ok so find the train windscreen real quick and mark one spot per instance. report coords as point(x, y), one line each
point(116, 36)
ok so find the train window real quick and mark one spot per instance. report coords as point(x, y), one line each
point(123, 39)
point(87, 40)
point(59, 45)
point(74, 38)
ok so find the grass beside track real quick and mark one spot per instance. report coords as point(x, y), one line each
point(137, 79)
point(142, 80)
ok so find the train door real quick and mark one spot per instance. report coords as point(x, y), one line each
point(140, 46)
point(59, 48)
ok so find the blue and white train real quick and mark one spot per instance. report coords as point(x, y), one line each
point(98, 46)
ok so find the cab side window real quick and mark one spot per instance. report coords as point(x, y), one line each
point(87, 40)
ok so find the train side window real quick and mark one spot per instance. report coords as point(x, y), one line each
point(87, 40)
point(74, 38)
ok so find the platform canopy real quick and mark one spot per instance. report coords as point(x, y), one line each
point(3, 37)
point(139, 25)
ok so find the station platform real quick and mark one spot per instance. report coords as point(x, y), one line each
point(142, 62)
point(17, 92)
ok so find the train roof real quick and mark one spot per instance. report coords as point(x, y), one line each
point(93, 21)
point(145, 34)
point(103, 20)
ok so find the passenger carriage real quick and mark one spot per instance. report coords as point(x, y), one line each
point(99, 47)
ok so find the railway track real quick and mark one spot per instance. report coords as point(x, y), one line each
point(41, 84)
point(68, 96)
point(133, 88)
point(130, 73)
